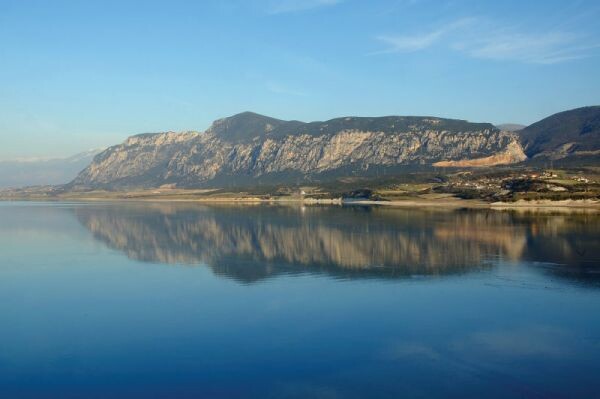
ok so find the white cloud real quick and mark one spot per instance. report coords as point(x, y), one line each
point(483, 39)
point(288, 6)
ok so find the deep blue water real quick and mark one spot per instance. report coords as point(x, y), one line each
point(182, 300)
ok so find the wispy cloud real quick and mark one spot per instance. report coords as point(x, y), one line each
point(288, 6)
point(414, 42)
point(409, 43)
point(479, 38)
point(540, 48)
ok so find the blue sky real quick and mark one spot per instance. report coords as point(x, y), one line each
point(76, 75)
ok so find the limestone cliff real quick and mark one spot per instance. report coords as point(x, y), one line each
point(248, 147)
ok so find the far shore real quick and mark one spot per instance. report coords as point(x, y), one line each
point(416, 202)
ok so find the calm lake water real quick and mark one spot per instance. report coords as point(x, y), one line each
point(183, 300)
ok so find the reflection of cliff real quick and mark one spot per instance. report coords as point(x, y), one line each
point(249, 243)
point(565, 239)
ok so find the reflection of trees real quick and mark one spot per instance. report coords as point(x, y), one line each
point(250, 243)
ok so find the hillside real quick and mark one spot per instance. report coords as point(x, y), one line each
point(565, 134)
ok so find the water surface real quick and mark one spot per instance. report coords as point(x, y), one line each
point(183, 300)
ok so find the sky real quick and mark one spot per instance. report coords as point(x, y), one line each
point(76, 75)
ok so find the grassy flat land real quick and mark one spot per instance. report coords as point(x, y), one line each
point(475, 187)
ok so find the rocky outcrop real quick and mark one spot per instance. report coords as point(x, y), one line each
point(248, 147)
point(513, 153)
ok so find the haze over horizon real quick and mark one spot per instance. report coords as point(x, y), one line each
point(80, 75)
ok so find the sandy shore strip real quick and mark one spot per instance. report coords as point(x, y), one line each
point(447, 202)
point(548, 204)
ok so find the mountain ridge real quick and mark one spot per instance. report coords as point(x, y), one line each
point(250, 146)
point(254, 149)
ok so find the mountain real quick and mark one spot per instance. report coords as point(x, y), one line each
point(565, 134)
point(35, 172)
point(249, 148)
point(511, 127)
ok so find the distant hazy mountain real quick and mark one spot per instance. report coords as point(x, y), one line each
point(510, 127)
point(565, 134)
point(21, 173)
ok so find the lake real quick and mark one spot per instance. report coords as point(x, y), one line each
point(180, 300)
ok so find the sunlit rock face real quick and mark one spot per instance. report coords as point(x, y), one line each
point(249, 147)
point(253, 243)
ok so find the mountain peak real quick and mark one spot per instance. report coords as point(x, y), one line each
point(243, 126)
point(249, 115)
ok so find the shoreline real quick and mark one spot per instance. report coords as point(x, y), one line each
point(408, 203)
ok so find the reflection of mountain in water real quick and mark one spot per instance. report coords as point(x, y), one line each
point(251, 243)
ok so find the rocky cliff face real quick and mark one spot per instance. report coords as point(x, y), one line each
point(248, 147)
